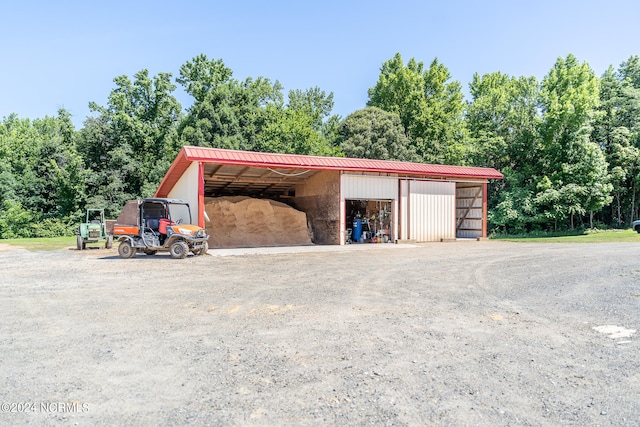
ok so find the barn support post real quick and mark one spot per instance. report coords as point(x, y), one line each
point(343, 214)
point(484, 210)
point(201, 195)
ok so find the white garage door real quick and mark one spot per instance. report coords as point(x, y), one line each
point(367, 187)
point(432, 211)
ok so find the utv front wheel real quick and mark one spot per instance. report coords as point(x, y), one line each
point(125, 250)
point(202, 251)
point(178, 249)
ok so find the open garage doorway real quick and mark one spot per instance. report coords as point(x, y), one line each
point(251, 206)
point(369, 221)
point(470, 210)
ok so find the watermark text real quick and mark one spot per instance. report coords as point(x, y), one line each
point(48, 407)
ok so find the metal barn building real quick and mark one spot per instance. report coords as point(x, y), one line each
point(398, 201)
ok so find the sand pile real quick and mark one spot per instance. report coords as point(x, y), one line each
point(243, 222)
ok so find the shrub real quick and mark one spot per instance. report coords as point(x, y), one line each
point(54, 227)
point(15, 221)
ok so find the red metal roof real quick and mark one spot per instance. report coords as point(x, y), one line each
point(190, 154)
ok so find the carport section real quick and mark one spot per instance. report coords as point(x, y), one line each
point(312, 191)
point(307, 183)
point(404, 201)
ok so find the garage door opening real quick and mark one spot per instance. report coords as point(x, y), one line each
point(248, 206)
point(251, 206)
point(470, 215)
point(369, 221)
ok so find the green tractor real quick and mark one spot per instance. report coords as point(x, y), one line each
point(93, 230)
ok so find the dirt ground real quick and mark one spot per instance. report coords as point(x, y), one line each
point(466, 333)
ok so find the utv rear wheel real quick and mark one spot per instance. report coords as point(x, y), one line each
point(178, 249)
point(125, 250)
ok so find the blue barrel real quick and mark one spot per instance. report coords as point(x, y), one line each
point(357, 229)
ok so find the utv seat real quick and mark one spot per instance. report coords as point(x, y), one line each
point(153, 224)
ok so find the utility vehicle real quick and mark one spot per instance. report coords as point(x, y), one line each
point(152, 225)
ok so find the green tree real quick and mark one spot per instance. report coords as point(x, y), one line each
point(226, 113)
point(429, 106)
point(503, 122)
point(373, 133)
point(8, 183)
point(251, 114)
point(130, 144)
point(303, 126)
point(291, 131)
point(41, 174)
point(613, 139)
point(617, 130)
point(630, 71)
point(41, 166)
point(314, 103)
point(318, 105)
point(502, 119)
point(628, 112)
point(400, 90)
point(110, 164)
point(441, 134)
point(572, 166)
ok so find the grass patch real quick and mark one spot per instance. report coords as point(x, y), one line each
point(42, 244)
point(588, 236)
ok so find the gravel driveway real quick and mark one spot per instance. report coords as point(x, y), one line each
point(466, 333)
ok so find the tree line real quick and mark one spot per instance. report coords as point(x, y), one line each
point(568, 146)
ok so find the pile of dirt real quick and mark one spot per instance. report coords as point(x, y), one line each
point(245, 222)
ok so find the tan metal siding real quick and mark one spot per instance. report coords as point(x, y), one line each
point(367, 187)
point(432, 211)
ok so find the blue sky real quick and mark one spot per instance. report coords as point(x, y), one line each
point(67, 53)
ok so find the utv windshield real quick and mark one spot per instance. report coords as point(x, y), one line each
point(179, 213)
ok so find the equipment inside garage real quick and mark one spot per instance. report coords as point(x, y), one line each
point(369, 221)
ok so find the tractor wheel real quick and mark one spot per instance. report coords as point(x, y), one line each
point(80, 243)
point(109, 243)
point(150, 252)
point(125, 250)
point(178, 249)
point(202, 251)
